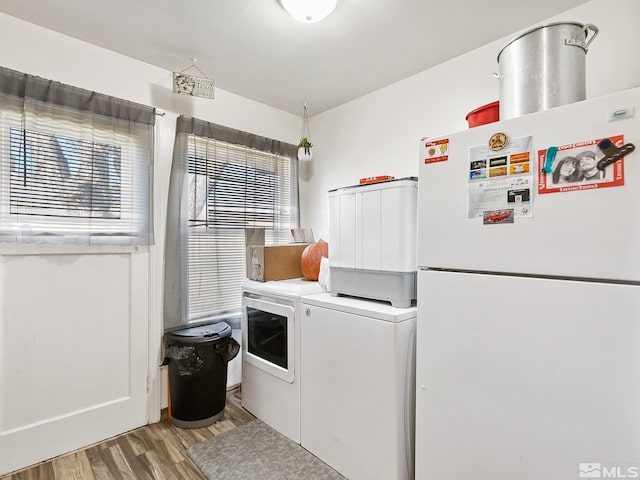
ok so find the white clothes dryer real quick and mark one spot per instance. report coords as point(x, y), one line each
point(271, 351)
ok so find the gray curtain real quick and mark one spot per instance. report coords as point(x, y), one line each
point(30, 87)
point(176, 273)
point(176, 295)
point(97, 191)
point(200, 128)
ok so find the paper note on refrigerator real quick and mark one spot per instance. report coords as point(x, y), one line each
point(501, 179)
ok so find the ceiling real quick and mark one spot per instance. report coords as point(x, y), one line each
point(254, 49)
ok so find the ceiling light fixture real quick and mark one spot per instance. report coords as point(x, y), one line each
point(309, 11)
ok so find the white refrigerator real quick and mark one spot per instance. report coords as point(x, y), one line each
point(528, 331)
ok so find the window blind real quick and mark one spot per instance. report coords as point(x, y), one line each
point(76, 165)
point(231, 180)
point(231, 187)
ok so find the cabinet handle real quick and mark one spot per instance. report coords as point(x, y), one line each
point(307, 312)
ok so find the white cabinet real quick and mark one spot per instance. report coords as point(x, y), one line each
point(357, 386)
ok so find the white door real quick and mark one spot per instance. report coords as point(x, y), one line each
point(525, 378)
point(73, 352)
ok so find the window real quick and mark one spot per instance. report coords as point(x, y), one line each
point(76, 166)
point(57, 176)
point(228, 186)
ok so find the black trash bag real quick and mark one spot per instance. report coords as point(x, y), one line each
point(188, 359)
point(228, 350)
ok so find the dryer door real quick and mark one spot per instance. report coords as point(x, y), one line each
point(269, 337)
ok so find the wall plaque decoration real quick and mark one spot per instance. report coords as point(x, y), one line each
point(196, 86)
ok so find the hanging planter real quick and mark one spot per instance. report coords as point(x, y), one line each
point(304, 146)
point(304, 149)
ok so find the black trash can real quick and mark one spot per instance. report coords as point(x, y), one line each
point(197, 358)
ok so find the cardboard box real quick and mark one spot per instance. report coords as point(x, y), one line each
point(273, 262)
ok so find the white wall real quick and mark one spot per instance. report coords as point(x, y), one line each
point(378, 134)
point(38, 51)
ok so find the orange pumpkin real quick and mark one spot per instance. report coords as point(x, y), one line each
point(310, 260)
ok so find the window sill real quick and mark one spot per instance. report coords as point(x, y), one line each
point(48, 249)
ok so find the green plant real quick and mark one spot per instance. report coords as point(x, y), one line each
point(306, 144)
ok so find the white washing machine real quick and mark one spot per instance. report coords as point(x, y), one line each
point(358, 386)
point(271, 351)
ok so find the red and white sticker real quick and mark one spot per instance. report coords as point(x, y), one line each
point(435, 151)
